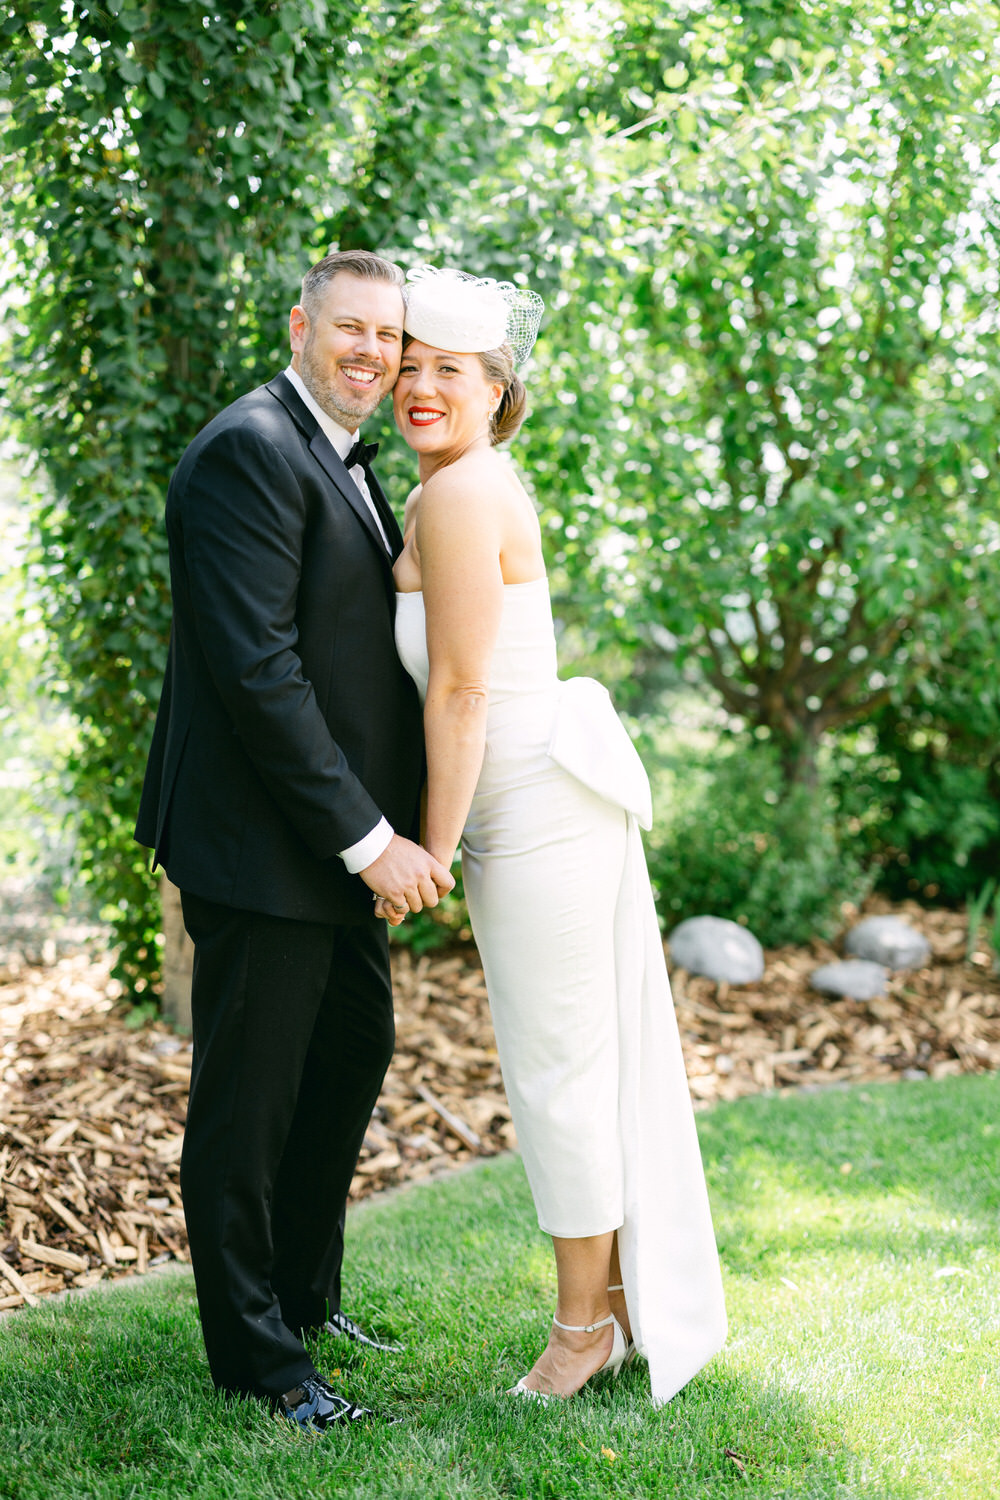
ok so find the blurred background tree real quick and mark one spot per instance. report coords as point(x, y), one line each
point(151, 153)
point(763, 440)
point(170, 171)
point(767, 442)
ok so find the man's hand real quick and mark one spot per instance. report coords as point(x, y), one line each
point(405, 878)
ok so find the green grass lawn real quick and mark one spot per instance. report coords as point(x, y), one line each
point(859, 1236)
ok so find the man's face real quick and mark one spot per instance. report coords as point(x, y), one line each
point(348, 354)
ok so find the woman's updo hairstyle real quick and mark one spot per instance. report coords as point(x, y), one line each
point(498, 367)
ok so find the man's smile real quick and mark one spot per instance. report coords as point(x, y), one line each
point(360, 375)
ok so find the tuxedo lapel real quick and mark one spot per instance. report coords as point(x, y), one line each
point(384, 509)
point(332, 464)
point(327, 455)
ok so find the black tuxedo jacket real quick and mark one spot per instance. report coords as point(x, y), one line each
point(287, 726)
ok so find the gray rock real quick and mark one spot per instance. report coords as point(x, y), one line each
point(889, 941)
point(719, 949)
point(857, 978)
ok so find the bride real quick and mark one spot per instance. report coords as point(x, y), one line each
point(540, 782)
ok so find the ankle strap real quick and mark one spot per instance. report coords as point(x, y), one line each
point(618, 1288)
point(585, 1327)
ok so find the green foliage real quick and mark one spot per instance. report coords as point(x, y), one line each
point(152, 154)
point(733, 840)
point(977, 910)
point(171, 171)
point(768, 398)
point(35, 737)
point(427, 83)
point(767, 389)
point(932, 824)
point(434, 88)
point(922, 784)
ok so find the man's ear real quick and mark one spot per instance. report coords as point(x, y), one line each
point(298, 328)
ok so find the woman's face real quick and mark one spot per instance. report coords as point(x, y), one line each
point(442, 402)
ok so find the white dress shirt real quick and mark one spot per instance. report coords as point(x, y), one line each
point(360, 855)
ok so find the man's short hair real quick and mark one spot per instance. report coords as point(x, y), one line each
point(360, 263)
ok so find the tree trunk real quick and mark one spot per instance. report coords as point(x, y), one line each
point(800, 761)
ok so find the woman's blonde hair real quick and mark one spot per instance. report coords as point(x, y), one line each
point(498, 367)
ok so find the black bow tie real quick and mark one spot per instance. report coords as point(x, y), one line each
point(360, 453)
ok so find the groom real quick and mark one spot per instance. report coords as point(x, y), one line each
point(284, 774)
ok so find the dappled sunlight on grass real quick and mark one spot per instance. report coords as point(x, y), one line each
point(859, 1238)
point(862, 1359)
point(781, 1223)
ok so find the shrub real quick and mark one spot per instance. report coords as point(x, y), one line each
point(927, 798)
point(937, 834)
point(732, 841)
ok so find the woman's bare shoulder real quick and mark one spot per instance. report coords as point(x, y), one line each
point(479, 476)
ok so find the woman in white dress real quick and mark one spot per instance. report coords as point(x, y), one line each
point(540, 782)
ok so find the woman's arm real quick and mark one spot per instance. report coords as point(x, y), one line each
point(459, 537)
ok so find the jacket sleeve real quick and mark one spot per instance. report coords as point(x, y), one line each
point(243, 515)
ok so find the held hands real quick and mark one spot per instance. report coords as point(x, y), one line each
point(405, 878)
point(389, 913)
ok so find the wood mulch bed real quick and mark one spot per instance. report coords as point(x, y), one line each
point(92, 1105)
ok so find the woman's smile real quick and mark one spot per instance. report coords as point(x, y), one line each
point(442, 403)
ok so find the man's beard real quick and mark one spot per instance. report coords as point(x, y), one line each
point(349, 413)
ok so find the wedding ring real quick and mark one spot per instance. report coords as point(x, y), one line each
point(377, 898)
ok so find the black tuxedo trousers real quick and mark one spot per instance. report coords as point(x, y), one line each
point(293, 1032)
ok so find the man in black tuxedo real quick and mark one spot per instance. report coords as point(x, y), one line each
point(281, 796)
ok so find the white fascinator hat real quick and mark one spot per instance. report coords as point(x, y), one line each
point(464, 314)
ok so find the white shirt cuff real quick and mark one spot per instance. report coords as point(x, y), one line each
point(367, 850)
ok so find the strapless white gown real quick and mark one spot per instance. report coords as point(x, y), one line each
point(561, 908)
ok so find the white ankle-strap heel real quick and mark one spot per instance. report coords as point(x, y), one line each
point(619, 1350)
point(619, 1343)
point(586, 1327)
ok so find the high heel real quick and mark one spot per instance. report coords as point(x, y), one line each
point(619, 1343)
point(619, 1352)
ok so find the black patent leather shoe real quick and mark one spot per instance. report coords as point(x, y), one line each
point(316, 1407)
point(341, 1326)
